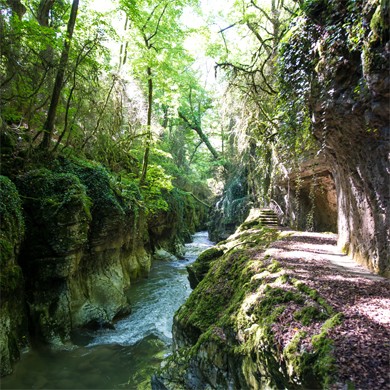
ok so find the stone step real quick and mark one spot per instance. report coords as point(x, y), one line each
point(268, 217)
point(265, 217)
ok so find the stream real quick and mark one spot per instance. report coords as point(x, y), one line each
point(120, 358)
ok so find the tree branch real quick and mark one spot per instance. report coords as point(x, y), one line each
point(202, 135)
point(158, 22)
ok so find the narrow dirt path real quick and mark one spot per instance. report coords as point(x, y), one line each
point(362, 341)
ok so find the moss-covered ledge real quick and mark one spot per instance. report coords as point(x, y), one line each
point(228, 333)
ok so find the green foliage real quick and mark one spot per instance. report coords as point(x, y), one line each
point(109, 126)
point(121, 192)
point(295, 69)
point(157, 181)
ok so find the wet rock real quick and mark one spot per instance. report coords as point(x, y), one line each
point(163, 255)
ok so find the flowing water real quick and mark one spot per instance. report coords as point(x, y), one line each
point(124, 357)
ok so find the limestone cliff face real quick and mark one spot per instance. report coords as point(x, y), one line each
point(347, 62)
point(79, 254)
point(305, 198)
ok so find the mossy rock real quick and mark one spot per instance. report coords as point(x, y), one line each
point(309, 314)
point(98, 182)
point(58, 212)
point(316, 368)
point(234, 309)
point(198, 270)
point(13, 322)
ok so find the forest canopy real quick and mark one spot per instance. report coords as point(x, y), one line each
point(189, 89)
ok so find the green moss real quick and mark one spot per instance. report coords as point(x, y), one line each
point(324, 364)
point(377, 24)
point(11, 214)
point(313, 294)
point(218, 294)
point(51, 192)
point(6, 251)
point(274, 267)
point(245, 297)
point(209, 254)
point(271, 305)
point(11, 234)
point(11, 278)
point(309, 314)
point(53, 202)
point(332, 322)
point(293, 356)
point(99, 184)
point(283, 279)
point(250, 225)
point(317, 366)
point(201, 266)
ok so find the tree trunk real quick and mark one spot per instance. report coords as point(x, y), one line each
point(149, 126)
point(17, 8)
point(51, 115)
point(43, 12)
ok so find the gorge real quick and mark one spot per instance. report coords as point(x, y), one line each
point(117, 149)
